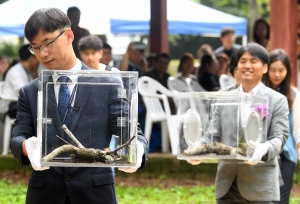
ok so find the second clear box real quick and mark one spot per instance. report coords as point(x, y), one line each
point(221, 125)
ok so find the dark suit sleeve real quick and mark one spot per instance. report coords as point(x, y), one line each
point(142, 139)
point(23, 128)
point(119, 107)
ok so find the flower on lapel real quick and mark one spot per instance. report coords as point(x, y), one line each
point(263, 110)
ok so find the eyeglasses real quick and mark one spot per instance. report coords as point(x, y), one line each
point(46, 47)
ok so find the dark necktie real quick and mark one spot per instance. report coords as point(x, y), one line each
point(64, 100)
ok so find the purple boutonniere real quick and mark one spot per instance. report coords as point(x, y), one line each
point(263, 110)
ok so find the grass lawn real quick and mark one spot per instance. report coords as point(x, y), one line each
point(15, 194)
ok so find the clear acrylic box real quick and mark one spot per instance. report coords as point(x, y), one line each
point(101, 106)
point(220, 125)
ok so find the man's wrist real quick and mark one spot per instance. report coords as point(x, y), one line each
point(24, 151)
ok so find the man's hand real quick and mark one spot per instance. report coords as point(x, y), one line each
point(140, 153)
point(194, 161)
point(33, 150)
point(260, 149)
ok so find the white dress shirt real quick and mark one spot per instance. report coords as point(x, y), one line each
point(246, 102)
point(73, 78)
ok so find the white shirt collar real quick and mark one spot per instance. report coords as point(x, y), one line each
point(73, 78)
point(253, 91)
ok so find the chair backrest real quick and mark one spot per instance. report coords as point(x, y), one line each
point(194, 85)
point(176, 85)
point(226, 81)
point(148, 86)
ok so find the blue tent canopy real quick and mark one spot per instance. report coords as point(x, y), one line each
point(124, 17)
point(184, 17)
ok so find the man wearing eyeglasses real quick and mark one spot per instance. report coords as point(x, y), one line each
point(48, 31)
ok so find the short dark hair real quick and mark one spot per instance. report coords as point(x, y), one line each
point(151, 57)
point(162, 55)
point(227, 30)
point(24, 53)
point(90, 42)
point(106, 46)
point(255, 50)
point(259, 21)
point(47, 20)
point(232, 65)
point(73, 9)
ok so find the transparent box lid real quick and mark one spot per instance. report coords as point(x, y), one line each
point(99, 106)
point(220, 125)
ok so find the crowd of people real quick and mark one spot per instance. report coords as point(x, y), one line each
point(217, 71)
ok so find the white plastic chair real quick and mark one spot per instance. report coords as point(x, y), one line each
point(148, 88)
point(8, 122)
point(194, 86)
point(176, 85)
point(226, 81)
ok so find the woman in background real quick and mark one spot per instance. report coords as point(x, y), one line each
point(278, 78)
point(204, 49)
point(208, 77)
point(261, 33)
point(4, 66)
point(185, 70)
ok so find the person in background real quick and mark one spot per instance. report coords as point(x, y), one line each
point(74, 16)
point(223, 62)
point(185, 70)
point(107, 54)
point(236, 75)
point(208, 77)
point(18, 76)
point(4, 66)
point(204, 49)
point(278, 78)
point(228, 43)
point(133, 58)
point(160, 70)
point(225, 78)
point(160, 73)
point(151, 60)
point(91, 51)
point(261, 33)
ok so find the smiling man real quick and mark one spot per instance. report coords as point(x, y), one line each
point(251, 181)
point(49, 33)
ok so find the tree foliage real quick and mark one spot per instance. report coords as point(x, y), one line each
point(3, 1)
point(237, 7)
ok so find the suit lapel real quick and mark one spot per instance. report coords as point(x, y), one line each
point(52, 109)
point(82, 95)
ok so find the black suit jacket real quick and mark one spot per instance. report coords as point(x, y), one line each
point(83, 185)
